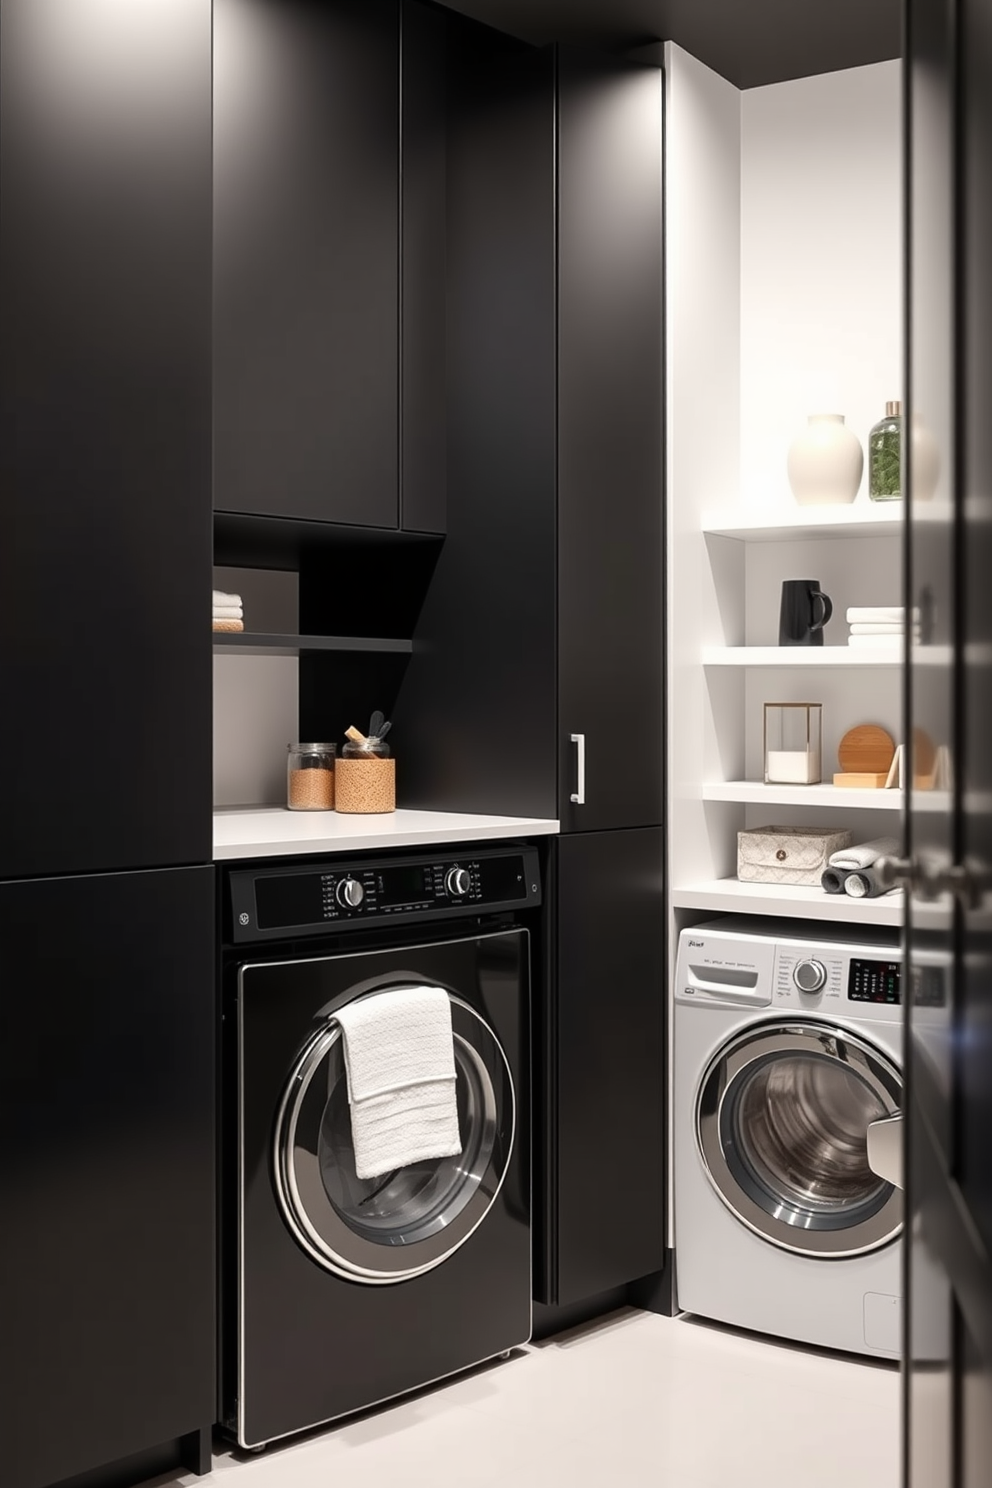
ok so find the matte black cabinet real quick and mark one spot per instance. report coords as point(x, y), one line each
point(309, 349)
point(104, 436)
point(107, 1099)
point(610, 441)
point(606, 1121)
point(607, 1158)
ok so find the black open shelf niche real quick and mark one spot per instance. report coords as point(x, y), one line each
point(250, 644)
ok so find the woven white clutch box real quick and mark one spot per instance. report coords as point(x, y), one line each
point(787, 855)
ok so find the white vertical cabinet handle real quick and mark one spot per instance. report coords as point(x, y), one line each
point(579, 795)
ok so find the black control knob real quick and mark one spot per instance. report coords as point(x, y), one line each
point(810, 976)
point(458, 882)
point(349, 893)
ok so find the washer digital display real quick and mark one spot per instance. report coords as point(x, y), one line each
point(874, 981)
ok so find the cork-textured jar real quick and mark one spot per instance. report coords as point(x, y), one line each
point(365, 780)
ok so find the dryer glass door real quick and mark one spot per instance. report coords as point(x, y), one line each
point(782, 1122)
point(406, 1222)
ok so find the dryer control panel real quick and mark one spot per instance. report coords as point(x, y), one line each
point(283, 903)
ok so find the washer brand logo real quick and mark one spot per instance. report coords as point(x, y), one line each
point(698, 943)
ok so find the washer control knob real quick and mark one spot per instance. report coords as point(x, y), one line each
point(349, 893)
point(810, 976)
point(458, 882)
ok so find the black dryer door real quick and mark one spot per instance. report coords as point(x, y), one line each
point(406, 1222)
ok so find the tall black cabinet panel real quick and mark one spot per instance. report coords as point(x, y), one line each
point(107, 1245)
point(477, 708)
point(104, 435)
point(610, 440)
point(306, 133)
point(607, 1041)
point(423, 262)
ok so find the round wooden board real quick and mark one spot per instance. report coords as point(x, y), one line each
point(867, 749)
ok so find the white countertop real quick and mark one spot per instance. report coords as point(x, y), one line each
point(275, 832)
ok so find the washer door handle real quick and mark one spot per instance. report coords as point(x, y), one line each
point(885, 1149)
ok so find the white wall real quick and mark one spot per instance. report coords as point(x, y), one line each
point(821, 263)
point(256, 711)
point(784, 298)
point(256, 698)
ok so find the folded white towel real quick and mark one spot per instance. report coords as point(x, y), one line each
point(400, 1060)
point(870, 627)
point(229, 612)
point(225, 599)
point(878, 642)
point(863, 854)
point(879, 614)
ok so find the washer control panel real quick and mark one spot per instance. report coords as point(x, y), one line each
point(279, 903)
point(776, 968)
point(808, 976)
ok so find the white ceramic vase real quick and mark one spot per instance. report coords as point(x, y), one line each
point(926, 461)
point(826, 462)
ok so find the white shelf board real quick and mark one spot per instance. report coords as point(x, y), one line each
point(755, 791)
point(733, 897)
point(802, 656)
point(785, 524)
point(274, 832)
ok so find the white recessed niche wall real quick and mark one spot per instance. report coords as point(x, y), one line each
point(784, 299)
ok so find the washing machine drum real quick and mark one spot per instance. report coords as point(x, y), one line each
point(782, 1118)
point(399, 1225)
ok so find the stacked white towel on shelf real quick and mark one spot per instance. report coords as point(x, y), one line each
point(229, 612)
point(879, 627)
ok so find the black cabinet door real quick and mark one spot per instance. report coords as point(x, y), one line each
point(107, 1107)
point(306, 186)
point(610, 440)
point(105, 683)
point(423, 180)
point(607, 1160)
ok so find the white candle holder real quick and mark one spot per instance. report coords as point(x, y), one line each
point(792, 743)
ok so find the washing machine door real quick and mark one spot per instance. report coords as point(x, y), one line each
point(782, 1117)
point(399, 1225)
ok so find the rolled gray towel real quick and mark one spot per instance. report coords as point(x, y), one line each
point(832, 880)
point(864, 884)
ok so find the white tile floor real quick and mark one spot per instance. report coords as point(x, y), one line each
point(630, 1400)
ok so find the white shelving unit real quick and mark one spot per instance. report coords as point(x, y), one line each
point(799, 312)
point(802, 656)
point(755, 524)
point(730, 896)
point(756, 793)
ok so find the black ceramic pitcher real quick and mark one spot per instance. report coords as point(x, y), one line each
point(805, 611)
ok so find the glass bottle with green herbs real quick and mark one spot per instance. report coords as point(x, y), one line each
point(885, 456)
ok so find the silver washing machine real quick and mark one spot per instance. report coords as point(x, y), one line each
point(788, 1051)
